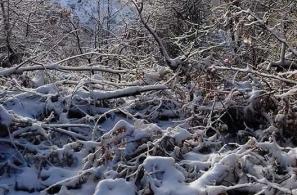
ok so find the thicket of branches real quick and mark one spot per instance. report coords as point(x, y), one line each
point(181, 96)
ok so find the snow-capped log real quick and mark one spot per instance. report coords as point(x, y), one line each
point(129, 91)
point(19, 70)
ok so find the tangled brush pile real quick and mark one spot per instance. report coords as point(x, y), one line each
point(54, 141)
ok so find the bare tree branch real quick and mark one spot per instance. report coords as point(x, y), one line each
point(173, 63)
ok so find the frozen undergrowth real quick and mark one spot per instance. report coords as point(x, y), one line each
point(84, 134)
point(213, 121)
point(53, 141)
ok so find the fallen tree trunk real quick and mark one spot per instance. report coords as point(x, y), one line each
point(129, 91)
point(16, 70)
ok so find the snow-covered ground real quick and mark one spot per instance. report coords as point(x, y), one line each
point(95, 150)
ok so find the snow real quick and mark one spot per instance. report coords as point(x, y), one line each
point(47, 89)
point(179, 134)
point(5, 117)
point(29, 106)
point(28, 180)
point(56, 174)
point(38, 79)
point(164, 178)
point(115, 187)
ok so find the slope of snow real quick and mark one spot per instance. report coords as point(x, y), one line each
point(90, 11)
